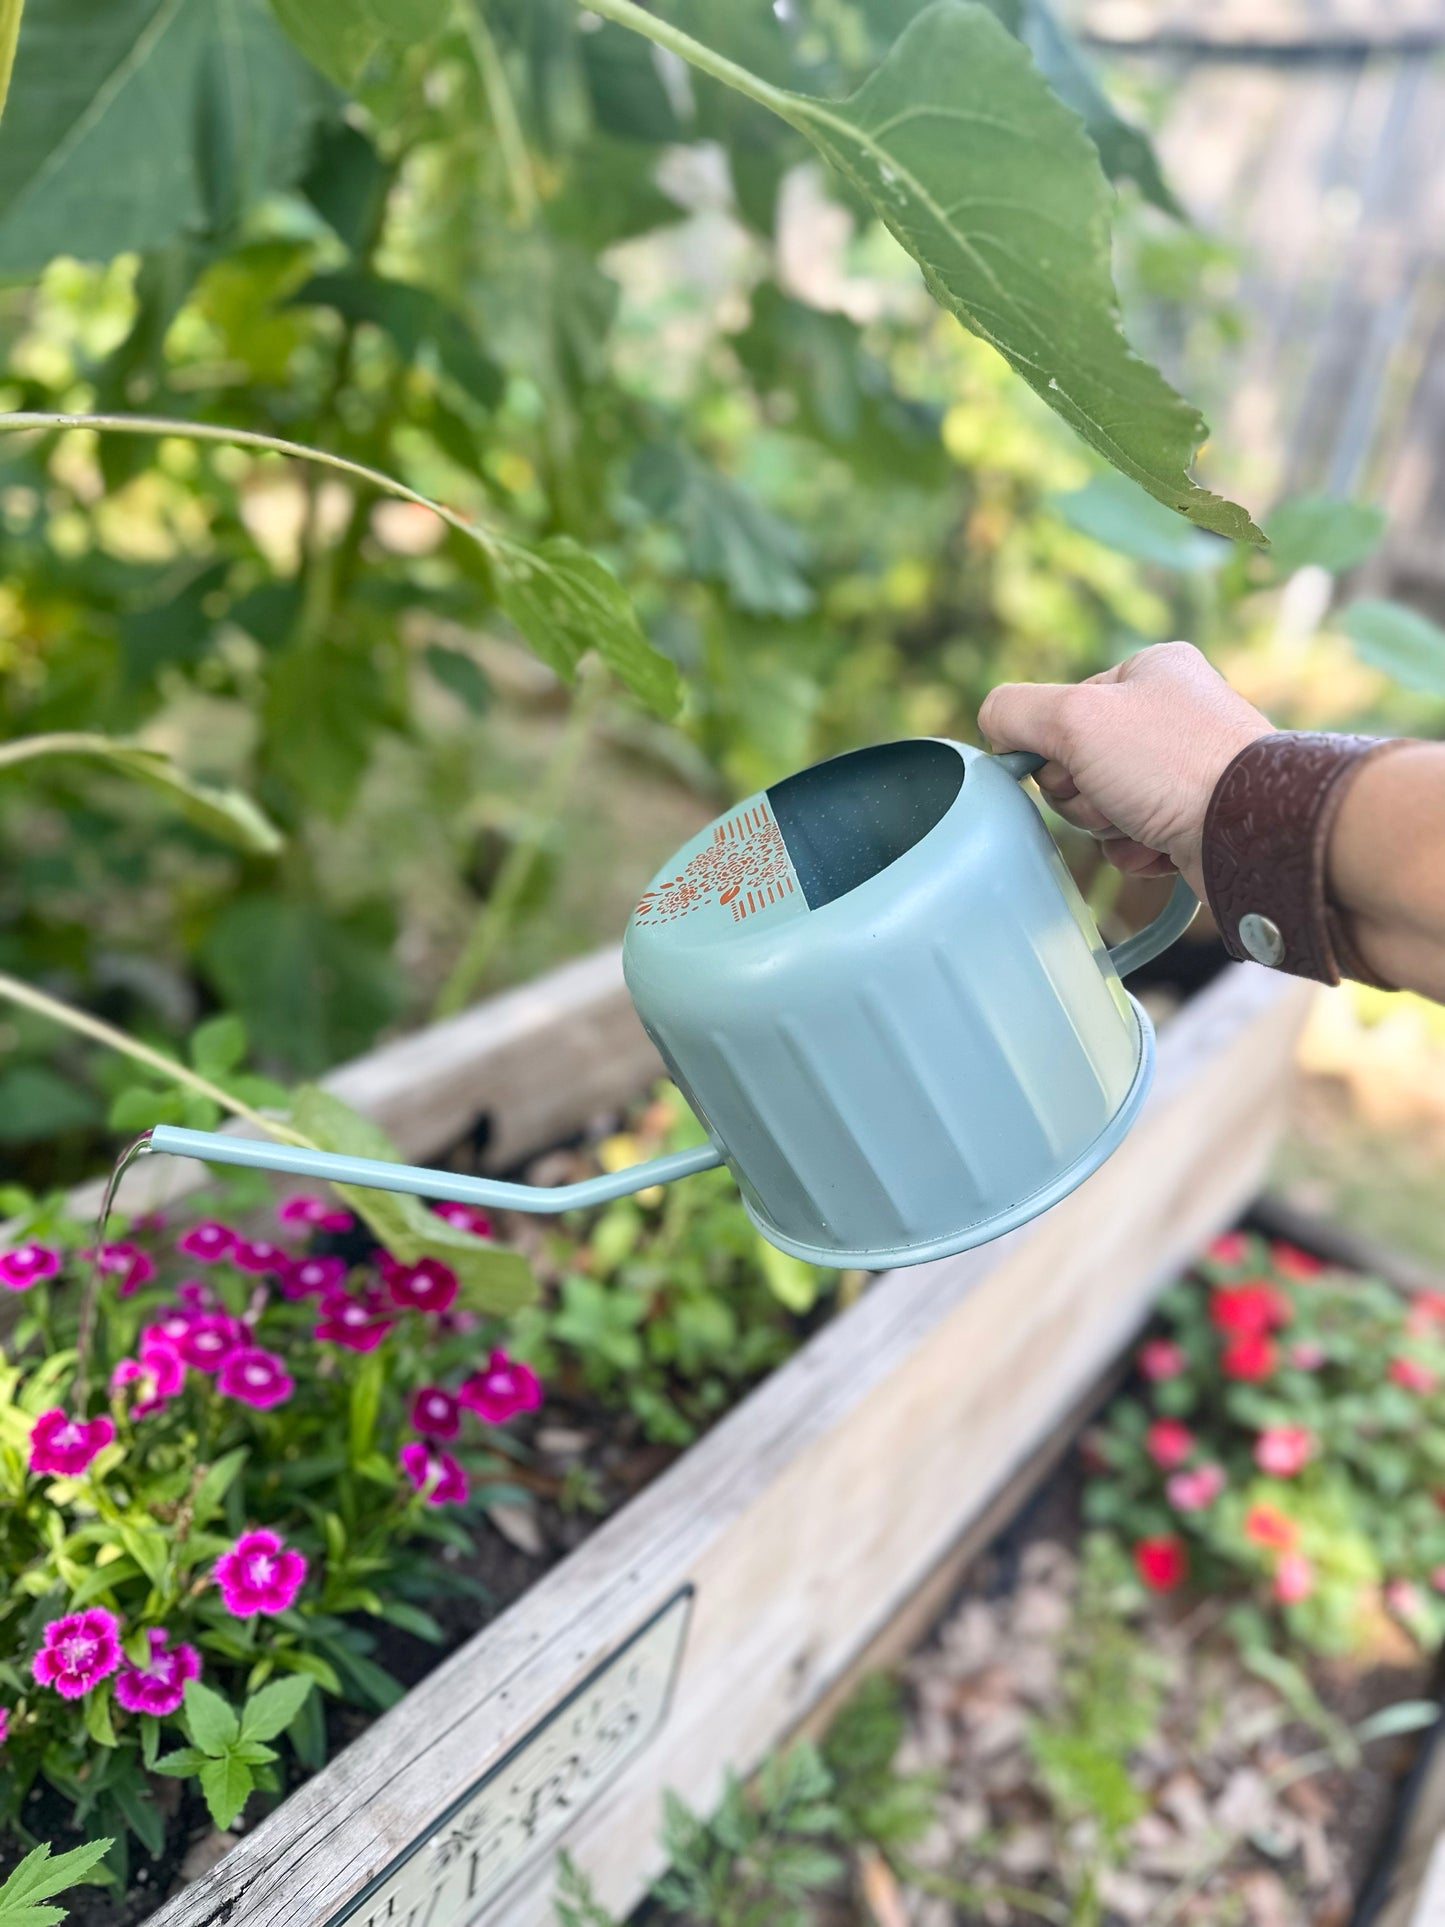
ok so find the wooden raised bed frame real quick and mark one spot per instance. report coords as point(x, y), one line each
point(811, 1515)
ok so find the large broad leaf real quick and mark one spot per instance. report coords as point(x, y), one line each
point(995, 188)
point(223, 813)
point(993, 185)
point(136, 121)
point(565, 602)
point(340, 36)
point(494, 1278)
point(1323, 531)
point(1402, 642)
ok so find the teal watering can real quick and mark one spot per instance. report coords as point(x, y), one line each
point(880, 991)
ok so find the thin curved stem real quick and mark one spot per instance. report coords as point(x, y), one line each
point(663, 34)
point(12, 990)
point(487, 539)
point(511, 142)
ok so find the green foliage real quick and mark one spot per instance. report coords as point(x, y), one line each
point(226, 1747)
point(39, 1877)
point(1323, 531)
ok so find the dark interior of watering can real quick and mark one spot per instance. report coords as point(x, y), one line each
point(845, 820)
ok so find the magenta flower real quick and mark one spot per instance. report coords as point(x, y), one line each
point(256, 1377)
point(260, 1574)
point(503, 1389)
point(169, 1329)
point(304, 1277)
point(259, 1254)
point(210, 1339)
point(159, 1372)
point(1161, 1358)
point(4, 1724)
point(126, 1263)
point(434, 1474)
point(359, 1323)
point(26, 1265)
point(78, 1651)
point(195, 1296)
point(426, 1286)
point(1306, 1356)
point(208, 1241)
point(64, 1445)
point(1195, 1489)
point(159, 1686)
point(315, 1213)
point(466, 1217)
point(1283, 1450)
point(436, 1413)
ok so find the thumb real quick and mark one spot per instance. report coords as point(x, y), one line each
point(1027, 715)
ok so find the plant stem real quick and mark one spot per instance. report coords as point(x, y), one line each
point(64, 742)
point(10, 11)
point(487, 539)
point(675, 41)
point(511, 142)
point(491, 928)
point(12, 990)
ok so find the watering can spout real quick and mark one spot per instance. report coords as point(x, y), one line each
point(450, 1187)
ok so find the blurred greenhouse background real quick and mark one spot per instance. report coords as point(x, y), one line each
point(534, 268)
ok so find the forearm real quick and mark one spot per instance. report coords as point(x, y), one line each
point(1386, 867)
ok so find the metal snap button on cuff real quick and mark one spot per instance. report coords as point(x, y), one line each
point(1261, 938)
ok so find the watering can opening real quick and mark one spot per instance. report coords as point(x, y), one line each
point(844, 821)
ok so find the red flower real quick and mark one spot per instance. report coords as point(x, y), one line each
point(1192, 1491)
point(1229, 1248)
point(1249, 1310)
point(1161, 1563)
point(436, 1413)
point(1284, 1450)
point(504, 1387)
point(1294, 1578)
point(1249, 1357)
point(1290, 1262)
point(1410, 1373)
point(1161, 1358)
point(1265, 1525)
point(1168, 1443)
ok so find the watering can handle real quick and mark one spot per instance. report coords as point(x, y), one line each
point(453, 1187)
point(1172, 921)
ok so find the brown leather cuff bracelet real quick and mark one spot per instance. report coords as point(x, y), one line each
point(1266, 835)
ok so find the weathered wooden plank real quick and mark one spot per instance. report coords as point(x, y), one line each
point(812, 1512)
point(1262, 26)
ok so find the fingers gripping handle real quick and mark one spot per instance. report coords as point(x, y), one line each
point(1172, 921)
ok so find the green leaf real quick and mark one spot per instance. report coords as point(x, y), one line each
point(133, 123)
point(792, 1281)
point(181, 1763)
point(1402, 642)
point(224, 813)
point(1111, 509)
point(416, 319)
point(565, 602)
point(97, 1716)
point(1318, 529)
point(272, 1710)
point(1124, 149)
point(995, 188)
point(211, 1722)
point(216, 1481)
point(495, 1279)
point(41, 1875)
point(227, 1785)
point(461, 675)
point(338, 36)
point(218, 1045)
point(365, 1404)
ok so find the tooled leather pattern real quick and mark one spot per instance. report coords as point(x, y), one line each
point(1265, 834)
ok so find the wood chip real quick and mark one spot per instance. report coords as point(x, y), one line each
point(205, 1853)
point(518, 1525)
point(879, 1890)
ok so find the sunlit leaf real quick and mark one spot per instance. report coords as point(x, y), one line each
point(1402, 642)
point(1323, 531)
point(224, 813)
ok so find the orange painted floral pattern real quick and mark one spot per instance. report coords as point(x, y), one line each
point(742, 870)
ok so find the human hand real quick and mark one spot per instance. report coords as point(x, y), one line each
point(1134, 752)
